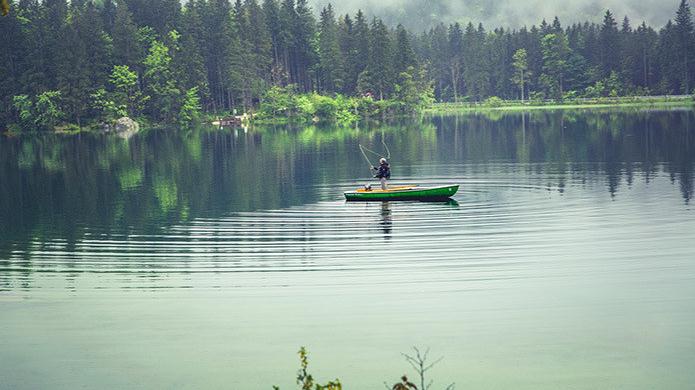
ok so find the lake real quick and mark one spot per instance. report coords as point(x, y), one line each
point(206, 258)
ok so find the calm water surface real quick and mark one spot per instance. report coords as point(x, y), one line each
point(204, 259)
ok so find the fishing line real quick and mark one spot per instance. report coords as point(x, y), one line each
point(379, 155)
point(362, 149)
point(388, 152)
point(371, 151)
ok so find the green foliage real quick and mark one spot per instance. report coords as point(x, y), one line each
point(123, 79)
point(608, 87)
point(304, 106)
point(282, 102)
point(413, 92)
point(306, 380)
point(494, 101)
point(126, 90)
point(190, 109)
point(107, 108)
point(44, 113)
point(126, 99)
point(160, 83)
point(326, 107)
point(347, 109)
point(24, 108)
point(48, 110)
point(285, 102)
point(555, 55)
point(234, 56)
point(521, 73)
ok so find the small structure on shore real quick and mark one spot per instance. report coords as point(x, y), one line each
point(234, 120)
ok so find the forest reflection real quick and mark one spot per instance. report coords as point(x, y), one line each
point(60, 187)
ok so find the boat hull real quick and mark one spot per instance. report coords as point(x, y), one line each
point(404, 193)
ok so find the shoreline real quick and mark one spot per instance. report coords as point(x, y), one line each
point(511, 106)
point(444, 108)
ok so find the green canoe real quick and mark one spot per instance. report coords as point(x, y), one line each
point(404, 193)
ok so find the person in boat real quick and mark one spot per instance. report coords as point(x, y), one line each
point(383, 172)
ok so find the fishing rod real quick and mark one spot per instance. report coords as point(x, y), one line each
point(365, 149)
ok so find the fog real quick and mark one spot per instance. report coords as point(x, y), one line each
point(420, 14)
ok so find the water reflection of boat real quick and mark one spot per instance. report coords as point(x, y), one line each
point(404, 193)
point(386, 221)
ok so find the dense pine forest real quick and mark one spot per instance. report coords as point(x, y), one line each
point(85, 62)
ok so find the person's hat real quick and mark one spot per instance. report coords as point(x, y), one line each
point(382, 161)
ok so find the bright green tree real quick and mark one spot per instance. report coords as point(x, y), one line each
point(189, 113)
point(521, 73)
point(160, 84)
point(44, 113)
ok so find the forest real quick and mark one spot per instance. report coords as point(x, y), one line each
point(83, 62)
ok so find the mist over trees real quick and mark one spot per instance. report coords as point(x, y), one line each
point(424, 14)
point(82, 61)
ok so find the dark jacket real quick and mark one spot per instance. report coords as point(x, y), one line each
point(383, 171)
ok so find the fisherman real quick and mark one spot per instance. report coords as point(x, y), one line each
point(383, 172)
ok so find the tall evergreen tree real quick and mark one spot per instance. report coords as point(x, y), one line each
point(331, 70)
point(126, 48)
point(380, 71)
point(647, 40)
point(87, 60)
point(435, 50)
point(610, 45)
point(359, 57)
point(255, 50)
point(403, 53)
point(684, 36)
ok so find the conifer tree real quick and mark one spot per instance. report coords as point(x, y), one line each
point(684, 36)
point(331, 69)
point(610, 45)
point(358, 58)
point(126, 48)
point(380, 63)
point(304, 30)
point(403, 53)
point(455, 54)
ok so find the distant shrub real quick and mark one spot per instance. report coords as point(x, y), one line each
point(494, 101)
point(326, 107)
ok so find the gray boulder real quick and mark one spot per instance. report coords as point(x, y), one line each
point(126, 125)
point(123, 127)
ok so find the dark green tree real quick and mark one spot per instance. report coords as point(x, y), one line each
point(331, 75)
point(403, 53)
point(610, 45)
point(556, 53)
point(684, 43)
point(379, 71)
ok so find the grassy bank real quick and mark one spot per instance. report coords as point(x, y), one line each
point(495, 104)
